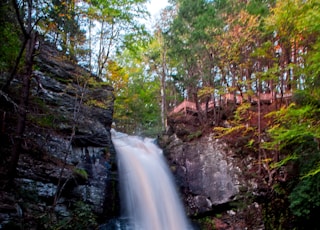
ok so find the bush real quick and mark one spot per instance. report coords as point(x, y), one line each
point(305, 197)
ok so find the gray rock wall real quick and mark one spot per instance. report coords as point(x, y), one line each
point(207, 173)
point(67, 153)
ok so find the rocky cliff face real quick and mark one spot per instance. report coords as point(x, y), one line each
point(205, 170)
point(67, 157)
point(213, 181)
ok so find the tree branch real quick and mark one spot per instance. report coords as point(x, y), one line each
point(24, 31)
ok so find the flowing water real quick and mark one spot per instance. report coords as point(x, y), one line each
point(149, 196)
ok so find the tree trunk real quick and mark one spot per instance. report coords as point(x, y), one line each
point(163, 96)
point(24, 99)
point(198, 107)
point(163, 85)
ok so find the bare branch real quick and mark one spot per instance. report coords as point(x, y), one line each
point(6, 96)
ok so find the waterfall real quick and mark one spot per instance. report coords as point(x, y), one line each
point(148, 193)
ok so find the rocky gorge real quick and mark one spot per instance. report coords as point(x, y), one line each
point(67, 175)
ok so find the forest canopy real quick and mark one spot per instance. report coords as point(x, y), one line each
point(253, 51)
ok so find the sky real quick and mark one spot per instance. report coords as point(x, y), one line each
point(155, 6)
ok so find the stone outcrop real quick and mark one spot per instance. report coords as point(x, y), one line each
point(206, 172)
point(212, 180)
point(68, 155)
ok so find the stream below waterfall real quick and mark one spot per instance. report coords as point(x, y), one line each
point(148, 192)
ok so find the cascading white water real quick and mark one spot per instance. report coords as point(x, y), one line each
point(150, 199)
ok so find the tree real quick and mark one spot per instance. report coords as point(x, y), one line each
point(158, 65)
point(9, 37)
point(295, 129)
point(117, 28)
point(30, 40)
point(62, 26)
point(289, 42)
point(159, 60)
point(137, 104)
point(58, 21)
point(187, 39)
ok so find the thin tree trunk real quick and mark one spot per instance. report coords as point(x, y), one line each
point(200, 115)
point(163, 95)
point(24, 99)
point(259, 90)
point(164, 85)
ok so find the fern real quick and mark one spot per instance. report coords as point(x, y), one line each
point(284, 161)
point(241, 112)
point(223, 131)
point(312, 172)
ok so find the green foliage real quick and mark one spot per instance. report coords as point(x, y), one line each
point(259, 7)
point(313, 69)
point(278, 189)
point(276, 213)
point(207, 223)
point(119, 30)
point(284, 161)
point(81, 218)
point(44, 120)
point(250, 143)
point(9, 51)
point(194, 135)
point(42, 115)
point(241, 112)
point(9, 38)
point(223, 131)
point(137, 104)
point(97, 103)
point(295, 132)
point(94, 83)
point(313, 171)
point(205, 92)
point(292, 125)
point(82, 173)
point(305, 197)
point(241, 115)
point(189, 31)
point(302, 97)
point(63, 23)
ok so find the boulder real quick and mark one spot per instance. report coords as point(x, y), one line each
point(206, 172)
